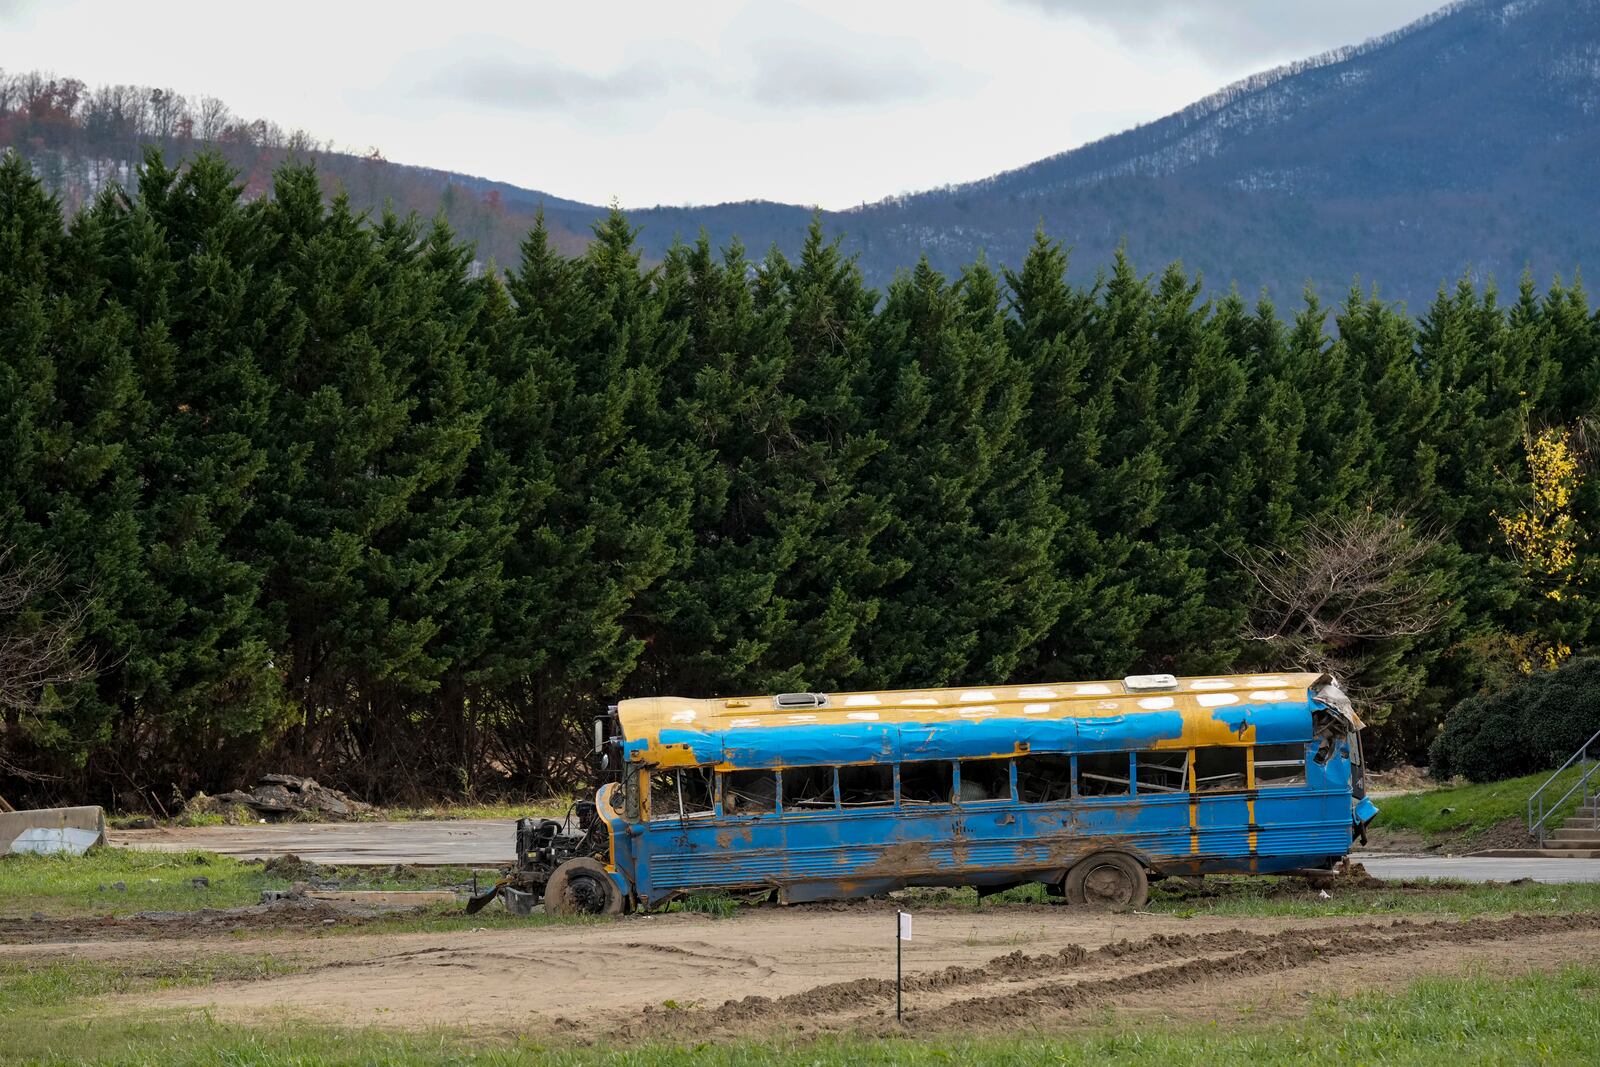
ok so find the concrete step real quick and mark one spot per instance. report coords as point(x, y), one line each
point(1560, 840)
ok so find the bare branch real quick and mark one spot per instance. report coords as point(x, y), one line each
point(1344, 588)
point(40, 627)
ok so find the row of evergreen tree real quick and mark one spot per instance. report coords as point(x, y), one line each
point(348, 503)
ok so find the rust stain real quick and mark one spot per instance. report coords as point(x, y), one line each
point(902, 859)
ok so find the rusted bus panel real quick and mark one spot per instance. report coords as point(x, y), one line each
point(1311, 838)
point(1221, 819)
point(846, 853)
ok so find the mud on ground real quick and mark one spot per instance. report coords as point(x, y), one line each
point(803, 970)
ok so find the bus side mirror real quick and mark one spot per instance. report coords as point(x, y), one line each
point(599, 736)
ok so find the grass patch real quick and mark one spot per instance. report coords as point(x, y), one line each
point(716, 905)
point(1259, 897)
point(1543, 1018)
point(448, 918)
point(165, 881)
point(152, 881)
point(1470, 808)
point(547, 808)
point(28, 985)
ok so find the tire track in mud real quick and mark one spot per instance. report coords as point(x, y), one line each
point(1285, 952)
point(1165, 961)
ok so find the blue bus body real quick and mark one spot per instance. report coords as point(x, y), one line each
point(1253, 786)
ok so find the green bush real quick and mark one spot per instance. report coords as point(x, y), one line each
point(1528, 727)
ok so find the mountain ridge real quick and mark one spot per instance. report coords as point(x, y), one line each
point(1451, 146)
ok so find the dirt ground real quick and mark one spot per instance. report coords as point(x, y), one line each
point(814, 969)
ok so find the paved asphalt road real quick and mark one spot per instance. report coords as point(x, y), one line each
point(1479, 868)
point(463, 842)
point(489, 843)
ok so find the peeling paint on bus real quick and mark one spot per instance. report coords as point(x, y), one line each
point(843, 851)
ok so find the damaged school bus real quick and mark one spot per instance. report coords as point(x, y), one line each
point(1091, 788)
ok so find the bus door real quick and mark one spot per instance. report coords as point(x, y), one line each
point(676, 829)
point(1222, 801)
point(1163, 802)
point(1105, 811)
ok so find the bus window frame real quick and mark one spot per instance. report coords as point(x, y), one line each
point(1186, 773)
point(1303, 763)
point(1011, 781)
point(833, 779)
point(1072, 777)
point(925, 805)
point(1101, 798)
point(1245, 778)
point(892, 803)
point(722, 784)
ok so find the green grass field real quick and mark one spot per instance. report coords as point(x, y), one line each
point(1546, 1019)
point(56, 1011)
point(1468, 808)
point(58, 887)
point(165, 881)
point(1261, 897)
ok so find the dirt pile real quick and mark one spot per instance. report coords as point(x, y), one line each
point(279, 796)
point(295, 869)
point(1403, 778)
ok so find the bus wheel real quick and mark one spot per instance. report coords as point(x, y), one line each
point(1108, 880)
point(581, 886)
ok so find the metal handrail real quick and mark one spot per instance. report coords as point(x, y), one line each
point(1589, 769)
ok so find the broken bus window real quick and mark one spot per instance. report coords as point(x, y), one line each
point(1044, 778)
point(869, 786)
point(807, 789)
point(926, 782)
point(985, 779)
point(1280, 765)
point(1219, 768)
point(682, 793)
point(1103, 774)
point(1162, 772)
point(749, 792)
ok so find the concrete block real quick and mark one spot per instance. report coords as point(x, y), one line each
point(50, 830)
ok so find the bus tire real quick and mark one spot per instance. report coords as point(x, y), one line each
point(581, 886)
point(1108, 880)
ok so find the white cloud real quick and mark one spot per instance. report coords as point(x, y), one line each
point(1242, 31)
point(827, 101)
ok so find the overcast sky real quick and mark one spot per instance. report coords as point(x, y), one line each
point(829, 102)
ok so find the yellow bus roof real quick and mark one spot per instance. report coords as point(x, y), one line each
point(645, 719)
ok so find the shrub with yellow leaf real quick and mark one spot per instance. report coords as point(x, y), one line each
point(1545, 536)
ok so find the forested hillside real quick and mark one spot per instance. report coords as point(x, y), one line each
point(335, 501)
point(1462, 144)
point(83, 140)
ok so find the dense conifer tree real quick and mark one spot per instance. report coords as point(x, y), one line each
point(350, 500)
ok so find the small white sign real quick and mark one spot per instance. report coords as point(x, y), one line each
point(905, 926)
